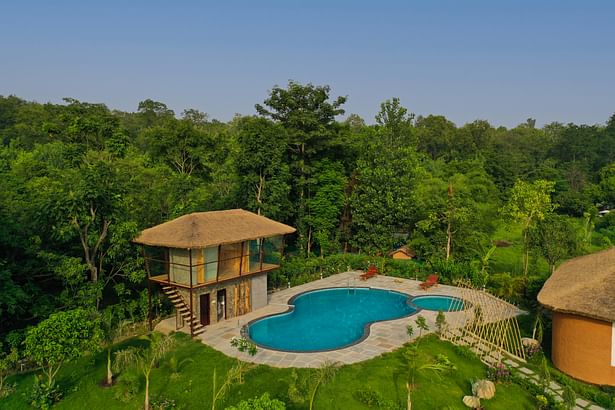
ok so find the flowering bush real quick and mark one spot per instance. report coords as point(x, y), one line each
point(499, 373)
point(532, 350)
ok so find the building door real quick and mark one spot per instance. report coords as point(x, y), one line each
point(221, 304)
point(204, 308)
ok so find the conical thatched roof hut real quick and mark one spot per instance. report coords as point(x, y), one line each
point(581, 295)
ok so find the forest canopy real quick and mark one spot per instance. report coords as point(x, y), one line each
point(79, 180)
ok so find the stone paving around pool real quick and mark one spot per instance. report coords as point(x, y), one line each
point(383, 337)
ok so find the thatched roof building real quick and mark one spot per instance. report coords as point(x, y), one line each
point(581, 295)
point(583, 286)
point(213, 266)
point(403, 252)
point(203, 229)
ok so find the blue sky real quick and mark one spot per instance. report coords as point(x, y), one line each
point(502, 61)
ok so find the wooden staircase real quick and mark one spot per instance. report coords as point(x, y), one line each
point(183, 310)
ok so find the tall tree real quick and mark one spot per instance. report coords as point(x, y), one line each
point(261, 165)
point(308, 116)
point(529, 203)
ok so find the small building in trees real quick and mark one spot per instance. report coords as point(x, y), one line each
point(581, 295)
point(402, 252)
point(213, 265)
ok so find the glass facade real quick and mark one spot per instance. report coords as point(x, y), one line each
point(218, 263)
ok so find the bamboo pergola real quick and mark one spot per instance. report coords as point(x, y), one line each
point(486, 324)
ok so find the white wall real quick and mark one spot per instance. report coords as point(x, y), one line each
point(259, 291)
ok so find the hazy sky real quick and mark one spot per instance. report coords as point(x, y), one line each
point(503, 61)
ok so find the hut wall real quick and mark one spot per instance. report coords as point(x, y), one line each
point(240, 296)
point(583, 348)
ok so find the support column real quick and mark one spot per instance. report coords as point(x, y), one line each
point(241, 259)
point(149, 290)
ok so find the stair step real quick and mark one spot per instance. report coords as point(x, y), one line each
point(198, 332)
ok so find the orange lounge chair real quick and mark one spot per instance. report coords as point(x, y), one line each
point(432, 280)
point(371, 272)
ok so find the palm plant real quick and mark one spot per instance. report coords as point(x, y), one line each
point(112, 329)
point(145, 359)
point(235, 374)
point(322, 375)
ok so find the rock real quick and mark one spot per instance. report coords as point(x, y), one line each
point(483, 389)
point(472, 402)
point(529, 342)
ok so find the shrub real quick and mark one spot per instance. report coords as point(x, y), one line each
point(128, 385)
point(374, 399)
point(43, 395)
point(498, 373)
point(263, 402)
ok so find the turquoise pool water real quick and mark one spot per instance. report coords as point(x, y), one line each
point(443, 303)
point(328, 319)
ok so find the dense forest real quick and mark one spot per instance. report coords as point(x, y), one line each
point(79, 180)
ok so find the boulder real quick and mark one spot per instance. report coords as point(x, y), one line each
point(472, 402)
point(529, 342)
point(483, 389)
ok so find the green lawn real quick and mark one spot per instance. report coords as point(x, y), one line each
point(386, 374)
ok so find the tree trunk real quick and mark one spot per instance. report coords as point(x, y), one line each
point(109, 372)
point(526, 254)
point(146, 392)
point(449, 240)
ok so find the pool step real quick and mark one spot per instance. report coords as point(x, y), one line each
point(183, 309)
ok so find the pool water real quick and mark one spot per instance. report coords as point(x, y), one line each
point(443, 303)
point(328, 319)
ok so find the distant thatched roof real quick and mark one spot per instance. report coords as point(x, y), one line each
point(405, 250)
point(202, 229)
point(583, 286)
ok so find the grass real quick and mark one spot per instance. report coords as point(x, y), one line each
point(386, 374)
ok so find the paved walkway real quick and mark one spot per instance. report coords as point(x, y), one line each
point(384, 336)
point(554, 388)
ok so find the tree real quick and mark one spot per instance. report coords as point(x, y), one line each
point(8, 361)
point(305, 387)
point(112, 328)
point(396, 125)
point(308, 116)
point(234, 375)
point(145, 359)
point(455, 208)
point(554, 238)
point(261, 165)
point(325, 205)
point(62, 337)
point(382, 203)
point(529, 203)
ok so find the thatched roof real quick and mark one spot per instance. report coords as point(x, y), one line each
point(584, 286)
point(202, 229)
point(405, 250)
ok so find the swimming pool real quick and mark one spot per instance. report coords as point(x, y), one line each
point(443, 303)
point(328, 319)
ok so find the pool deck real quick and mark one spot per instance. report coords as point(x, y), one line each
point(383, 336)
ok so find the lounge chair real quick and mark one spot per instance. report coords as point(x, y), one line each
point(371, 272)
point(432, 280)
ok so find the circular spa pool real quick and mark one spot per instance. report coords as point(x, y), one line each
point(328, 319)
point(436, 302)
